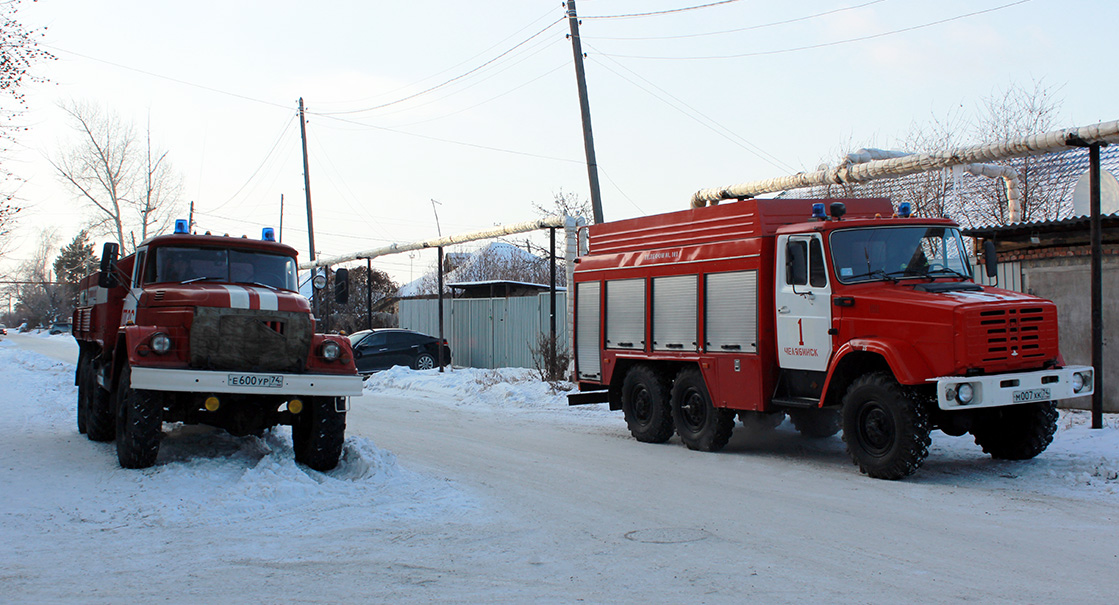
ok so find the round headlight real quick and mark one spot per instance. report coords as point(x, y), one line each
point(331, 350)
point(161, 343)
point(964, 393)
point(319, 282)
point(1077, 382)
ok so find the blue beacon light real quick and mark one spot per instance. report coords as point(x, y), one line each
point(181, 226)
point(818, 212)
point(904, 210)
point(268, 234)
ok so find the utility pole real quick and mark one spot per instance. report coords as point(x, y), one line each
point(307, 189)
point(190, 220)
point(585, 109)
point(281, 234)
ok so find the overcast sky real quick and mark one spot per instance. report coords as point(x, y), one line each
point(680, 101)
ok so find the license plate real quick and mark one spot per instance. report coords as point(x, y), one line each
point(1030, 395)
point(271, 381)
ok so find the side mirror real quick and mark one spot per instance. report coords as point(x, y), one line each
point(796, 264)
point(990, 258)
point(342, 286)
point(108, 277)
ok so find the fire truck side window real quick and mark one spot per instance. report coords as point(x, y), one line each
point(796, 263)
point(138, 270)
point(817, 276)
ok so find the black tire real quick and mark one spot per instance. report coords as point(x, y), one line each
point(885, 428)
point(318, 432)
point(100, 420)
point(816, 423)
point(83, 392)
point(645, 405)
point(699, 423)
point(423, 361)
point(1018, 432)
point(139, 423)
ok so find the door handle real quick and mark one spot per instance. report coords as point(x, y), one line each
point(783, 310)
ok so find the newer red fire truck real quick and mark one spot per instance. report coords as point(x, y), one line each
point(866, 320)
point(204, 329)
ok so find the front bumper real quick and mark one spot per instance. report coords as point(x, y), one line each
point(248, 383)
point(997, 390)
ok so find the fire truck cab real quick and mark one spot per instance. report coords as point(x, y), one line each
point(205, 329)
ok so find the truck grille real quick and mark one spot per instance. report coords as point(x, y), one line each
point(1011, 337)
point(249, 340)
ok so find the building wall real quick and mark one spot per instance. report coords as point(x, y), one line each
point(1067, 281)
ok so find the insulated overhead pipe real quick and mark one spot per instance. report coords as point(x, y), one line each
point(1104, 132)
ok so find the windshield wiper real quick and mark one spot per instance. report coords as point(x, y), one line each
point(263, 285)
point(892, 275)
point(930, 273)
point(203, 278)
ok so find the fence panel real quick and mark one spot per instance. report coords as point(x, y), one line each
point(489, 332)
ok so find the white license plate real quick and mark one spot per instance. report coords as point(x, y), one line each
point(271, 381)
point(1030, 395)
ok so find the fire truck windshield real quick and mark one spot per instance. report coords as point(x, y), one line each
point(182, 264)
point(903, 252)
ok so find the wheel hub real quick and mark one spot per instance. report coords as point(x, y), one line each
point(876, 429)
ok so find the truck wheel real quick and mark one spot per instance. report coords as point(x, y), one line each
point(317, 433)
point(886, 430)
point(1017, 432)
point(645, 405)
point(816, 423)
point(83, 393)
point(699, 423)
point(100, 420)
point(139, 423)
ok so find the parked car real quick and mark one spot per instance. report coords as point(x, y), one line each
point(383, 348)
point(3, 330)
point(60, 327)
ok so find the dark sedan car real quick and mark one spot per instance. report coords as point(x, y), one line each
point(384, 348)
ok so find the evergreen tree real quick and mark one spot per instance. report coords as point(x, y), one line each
point(75, 261)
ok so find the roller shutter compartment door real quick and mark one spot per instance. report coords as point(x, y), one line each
point(731, 312)
point(587, 307)
point(674, 313)
point(625, 314)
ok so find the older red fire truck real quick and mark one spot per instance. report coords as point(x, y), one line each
point(204, 329)
point(866, 320)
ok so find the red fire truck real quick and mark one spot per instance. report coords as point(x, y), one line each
point(204, 329)
point(866, 320)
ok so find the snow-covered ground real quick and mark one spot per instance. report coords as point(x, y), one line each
point(481, 485)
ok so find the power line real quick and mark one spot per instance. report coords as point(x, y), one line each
point(168, 78)
point(725, 132)
point(451, 141)
point(742, 29)
point(446, 82)
point(275, 145)
point(827, 44)
point(457, 65)
point(664, 12)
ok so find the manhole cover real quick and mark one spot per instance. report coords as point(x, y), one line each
point(668, 535)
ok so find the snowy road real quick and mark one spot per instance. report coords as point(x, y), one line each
point(483, 486)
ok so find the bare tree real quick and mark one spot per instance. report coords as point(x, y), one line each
point(19, 51)
point(1013, 113)
point(132, 192)
point(39, 298)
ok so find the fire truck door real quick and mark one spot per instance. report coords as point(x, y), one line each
point(803, 303)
